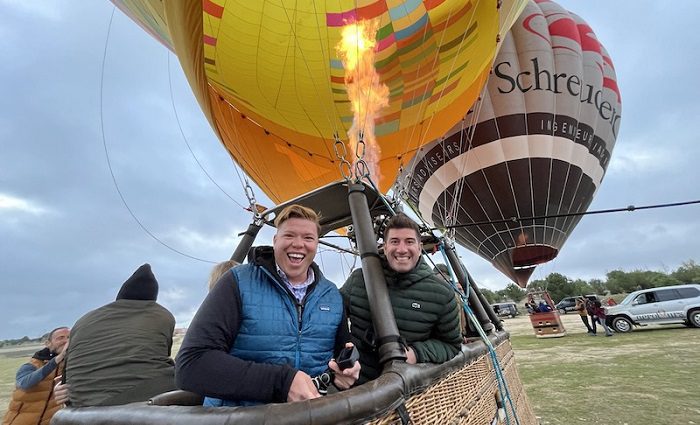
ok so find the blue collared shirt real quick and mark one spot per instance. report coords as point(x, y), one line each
point(297, 290)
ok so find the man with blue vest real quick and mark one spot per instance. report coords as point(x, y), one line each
point(267, 327)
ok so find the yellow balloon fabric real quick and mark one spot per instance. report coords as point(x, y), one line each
point(269, 79)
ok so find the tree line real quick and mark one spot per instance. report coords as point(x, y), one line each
point(616, 282)
point(558, 286)
point(24, 340)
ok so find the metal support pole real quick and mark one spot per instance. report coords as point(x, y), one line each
point(474, 301)
point(484, 302)
point(246, 242)
point(387, 333)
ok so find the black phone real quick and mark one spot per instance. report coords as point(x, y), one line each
point(347, 357)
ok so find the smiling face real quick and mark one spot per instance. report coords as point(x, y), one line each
point(402, 249)
point(295, 247)
point(58, 339)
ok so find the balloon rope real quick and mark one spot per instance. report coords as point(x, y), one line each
point(514, 242)
point(109, 162)
point(469, 136)
point(629, 208)
point(423, 106)
point(331, 122)
point(327, 61)
point(568, 225)
point(337, 248)
point(503, 391)
point(184, 139)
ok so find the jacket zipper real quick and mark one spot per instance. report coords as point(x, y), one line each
point(300, 312)
point(299, 308)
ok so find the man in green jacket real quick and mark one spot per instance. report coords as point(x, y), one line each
point(120, 352)
point(424, 305)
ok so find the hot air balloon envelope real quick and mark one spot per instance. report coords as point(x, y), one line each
point(538, 144)
point(269, 79)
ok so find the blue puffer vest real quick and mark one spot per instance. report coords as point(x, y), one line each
point(276, 329)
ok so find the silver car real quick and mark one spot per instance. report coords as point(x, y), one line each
point(664, 305)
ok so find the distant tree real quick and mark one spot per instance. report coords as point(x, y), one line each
point(580, 287)
point(620, 281)
point(536, 285)
point(662, 279)
point(17, 341)
point(625, 282)
point(597, 286)
point(558, 286)
point(513, 292)
point(489, 295)
point(688, 272)
point(617, 282)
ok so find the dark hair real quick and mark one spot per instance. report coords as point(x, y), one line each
point(401, 221)
point(48, 338)
point(298, 211)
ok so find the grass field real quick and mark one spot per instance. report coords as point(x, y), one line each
point(646, 377)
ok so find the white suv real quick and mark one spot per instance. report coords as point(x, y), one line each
point(668, 304)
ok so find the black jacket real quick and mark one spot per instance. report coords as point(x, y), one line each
point(204, 365)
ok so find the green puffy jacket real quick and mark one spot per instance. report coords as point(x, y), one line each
point(426, 314)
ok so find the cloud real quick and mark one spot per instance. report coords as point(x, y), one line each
point(10, 204)
point(172, 295)
point(69, 241)
point(634, 159)
point(42, 9)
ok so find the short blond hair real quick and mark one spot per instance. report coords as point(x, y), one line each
point(298, 211)
point(219, 271)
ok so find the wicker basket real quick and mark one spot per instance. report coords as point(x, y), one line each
point(461, 391)
point(470, 396)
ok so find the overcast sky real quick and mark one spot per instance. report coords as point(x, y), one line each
point(67, 241)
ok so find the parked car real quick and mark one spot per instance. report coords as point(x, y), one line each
point(664, 305)
point(508, 309)
point(568, 304)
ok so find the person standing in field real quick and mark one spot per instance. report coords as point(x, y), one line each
point(601, 317)
point(583, 313)
point(590, 309)
point(33, 400)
